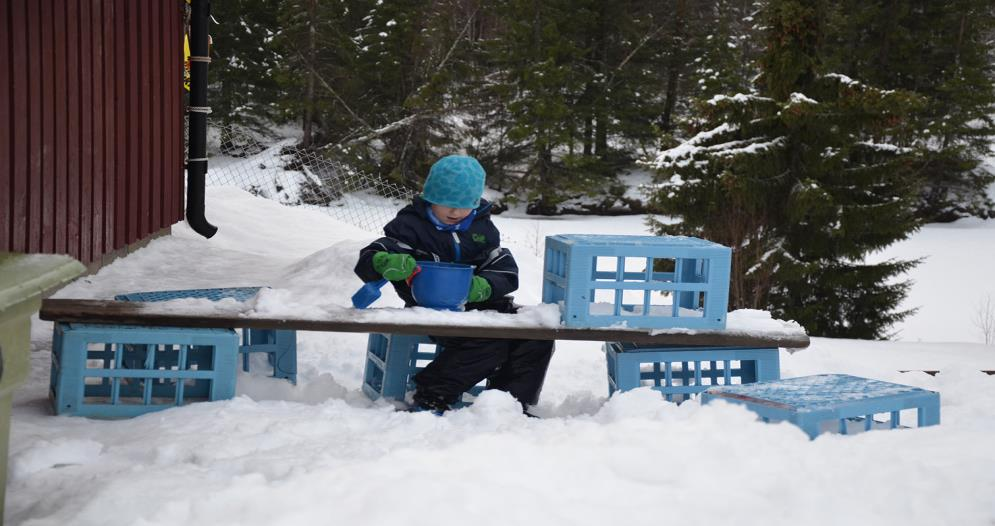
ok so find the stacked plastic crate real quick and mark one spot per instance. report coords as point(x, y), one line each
point(652, 282)
point(114, 371)
point(392, 360)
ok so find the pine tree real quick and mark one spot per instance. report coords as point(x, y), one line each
point(242, 88)
point(539, 77)
point(939, 50)
point(803, 179)
point(726, 46)
point(380, 76)
point(569, 93)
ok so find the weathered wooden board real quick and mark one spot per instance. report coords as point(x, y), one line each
point(159, 314)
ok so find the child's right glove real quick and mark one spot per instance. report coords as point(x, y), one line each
point(394, 267)
point(480, 290)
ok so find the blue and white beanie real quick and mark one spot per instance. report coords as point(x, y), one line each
point(456, 181)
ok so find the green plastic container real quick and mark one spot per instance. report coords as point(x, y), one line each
point(24, 278)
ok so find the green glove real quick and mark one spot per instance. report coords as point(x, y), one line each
point(394, 267)
point(480, 290)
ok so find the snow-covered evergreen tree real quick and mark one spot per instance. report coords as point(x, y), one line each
point(940, 50)
point(802, 179)
point(242, 87)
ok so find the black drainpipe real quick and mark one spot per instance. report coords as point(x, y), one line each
point(197, 118)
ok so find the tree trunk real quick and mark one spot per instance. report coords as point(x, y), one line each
point(308, 139)
point(588, 136)
point(674, 65)
point(601, 135)
point(602, 104)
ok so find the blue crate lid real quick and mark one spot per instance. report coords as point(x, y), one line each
point(237, 293)
point(616, 240)
point(814, 393)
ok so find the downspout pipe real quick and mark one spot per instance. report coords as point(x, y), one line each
point(197, 118)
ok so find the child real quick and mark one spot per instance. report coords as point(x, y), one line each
point(450, 222)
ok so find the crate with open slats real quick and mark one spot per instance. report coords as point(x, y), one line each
point(681, 373)
point(392, 360)
point(653, 282)
point(834, 403)
point(279, 345)
point(109, 371)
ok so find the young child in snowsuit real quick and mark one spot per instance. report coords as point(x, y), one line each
point(450, 222)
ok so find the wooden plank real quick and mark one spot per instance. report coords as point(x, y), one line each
point(170, 109)
point(6, 125)
point(110, 127)
point(178, 173)
point(934, 372)
point(33, 126)
point(48, 110)
point(20, 118)
point(99, 98)
point(73, 128)
point(144, 173)
point(121, 71)
point(133, 174)
point(60, 107)
point(155, 314)
point(86, 60)
point(155, 110)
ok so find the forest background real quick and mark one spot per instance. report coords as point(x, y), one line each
point(804, 134)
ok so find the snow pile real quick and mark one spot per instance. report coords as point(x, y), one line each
point(321, 452)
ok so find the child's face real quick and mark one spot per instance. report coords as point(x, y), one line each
point(450, 216)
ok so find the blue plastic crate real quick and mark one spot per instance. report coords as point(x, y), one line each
point(237, 293)
point(280, 346)
point(680, 373)
point(653, 282)
point(110, 371)
point(392, 360)
point(833, 403)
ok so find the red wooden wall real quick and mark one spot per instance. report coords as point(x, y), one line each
point(91, 116)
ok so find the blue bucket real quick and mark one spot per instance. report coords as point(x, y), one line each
point(442, 286)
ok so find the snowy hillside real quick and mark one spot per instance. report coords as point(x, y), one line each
point(322, 453)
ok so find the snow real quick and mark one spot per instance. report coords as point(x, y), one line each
point(952, 281)
point(843, 79)
point(320, 452)
point(688, 148)
point(801, 98)
point(884, 147)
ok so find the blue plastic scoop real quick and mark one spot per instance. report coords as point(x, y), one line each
point(367, 294)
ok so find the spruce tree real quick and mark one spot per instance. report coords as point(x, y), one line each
point(242, 88)
point(939, 50)
point(569, 91)
point(726, 46)
point(539, 77)
point(383, 75)
point(803, 178)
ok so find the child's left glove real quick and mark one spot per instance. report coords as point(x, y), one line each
point(480, 290)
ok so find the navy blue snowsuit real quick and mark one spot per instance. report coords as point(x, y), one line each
point(516, 366)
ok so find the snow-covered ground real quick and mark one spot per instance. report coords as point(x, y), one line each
point(322, 453)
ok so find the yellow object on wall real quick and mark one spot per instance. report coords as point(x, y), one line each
point(186, 62)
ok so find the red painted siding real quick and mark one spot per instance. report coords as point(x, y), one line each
point(91, 153)
point(6, 166)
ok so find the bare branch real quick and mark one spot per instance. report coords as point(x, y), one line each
point(384, 130)
point(455, 42)
point(332, 91)
point(636, 49)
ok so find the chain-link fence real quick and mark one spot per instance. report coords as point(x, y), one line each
point(298, 177)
